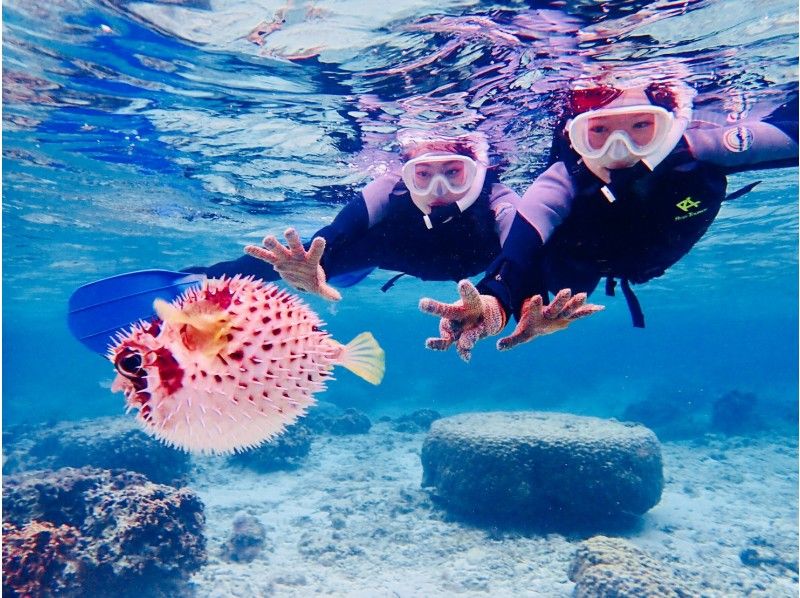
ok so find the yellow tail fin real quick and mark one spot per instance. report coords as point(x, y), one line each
point(364, 357)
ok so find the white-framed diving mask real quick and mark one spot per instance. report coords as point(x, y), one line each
point(439, 173)
point(609, 132)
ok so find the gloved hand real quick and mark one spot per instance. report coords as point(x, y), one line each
point(537, 320)
point(299, 268)
point(465, 322)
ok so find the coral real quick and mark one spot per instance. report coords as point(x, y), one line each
point(38, 559)
point(734, 413)
point(543, 469)
point(132, 531)
point(106, 443)
point(417, 421)
point(351, 421)
point(670, 417)
point(246, 541)
point(330, 419)
point(613, 568)
point(286, 451)
point(321, 417)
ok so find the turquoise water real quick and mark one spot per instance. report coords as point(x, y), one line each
point(165, 134)
point(142, 135)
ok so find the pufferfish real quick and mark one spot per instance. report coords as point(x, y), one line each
point(228, 365)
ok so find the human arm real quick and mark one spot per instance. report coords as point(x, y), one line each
point(770, 142)
point(515, 282)
point(350, 223)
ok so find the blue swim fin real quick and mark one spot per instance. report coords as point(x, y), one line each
point(98, 310)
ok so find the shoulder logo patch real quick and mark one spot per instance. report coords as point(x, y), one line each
point(737, 139)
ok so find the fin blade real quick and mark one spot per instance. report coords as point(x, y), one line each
point(364, 357)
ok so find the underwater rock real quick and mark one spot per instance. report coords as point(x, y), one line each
point(734, 414)
point(286, 451)
point(613, 568)
point(669, 418)
point(417, 421)
point(539, 469)
point(38, 559)
point(351, 421)
point(105, 443)
point(130, 530)
point(246, 541)
point(327, 418)
point(321, 416)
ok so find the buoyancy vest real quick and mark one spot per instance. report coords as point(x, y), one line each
point(641, 223)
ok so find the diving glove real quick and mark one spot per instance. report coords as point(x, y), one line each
point(536, 319)
point(465, 322)
point(299, 268)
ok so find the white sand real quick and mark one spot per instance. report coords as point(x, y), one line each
point(353, 521)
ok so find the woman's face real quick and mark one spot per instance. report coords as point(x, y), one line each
point(433, 175)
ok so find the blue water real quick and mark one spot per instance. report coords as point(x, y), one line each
point(142, 135)
point(163, 134)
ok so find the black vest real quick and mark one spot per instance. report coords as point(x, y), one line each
point(462, 247)
point(655, 217)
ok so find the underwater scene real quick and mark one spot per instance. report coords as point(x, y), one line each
point(408, 299)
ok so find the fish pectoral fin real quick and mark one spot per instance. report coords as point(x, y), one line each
point(169, 313)
point(364, 357)
point(201, 331)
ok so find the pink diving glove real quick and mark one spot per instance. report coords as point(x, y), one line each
point(536, 319)
point(465, 322)
point(299, 268)
point(477, 316)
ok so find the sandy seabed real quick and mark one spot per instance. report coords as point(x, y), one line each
point(353, 521)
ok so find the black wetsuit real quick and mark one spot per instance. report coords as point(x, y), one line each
point(382, 228)
point(572, 229)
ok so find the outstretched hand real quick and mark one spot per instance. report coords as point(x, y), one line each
point(298, 267)
point(536, 319)
point(466, 321)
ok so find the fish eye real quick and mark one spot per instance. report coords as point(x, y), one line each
point(129, 363)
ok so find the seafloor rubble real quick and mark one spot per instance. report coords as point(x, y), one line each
point(316, 512)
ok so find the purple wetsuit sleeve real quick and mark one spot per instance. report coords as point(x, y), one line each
point(503, 202)
point(376, 196)
point(747, 145)
point(548, 200)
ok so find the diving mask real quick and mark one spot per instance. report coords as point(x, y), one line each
point(615, 133)
point(439, 174)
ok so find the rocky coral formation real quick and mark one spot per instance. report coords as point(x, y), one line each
point(351, 421)
point(38, 559)
point(613, 568)
point(126, 529)
point(552, 470)
point(247, 540)
point(671, 417)
point(417, 421)
point(106, 443)
point(327, 418)
point(286, 451)
point(734, 413)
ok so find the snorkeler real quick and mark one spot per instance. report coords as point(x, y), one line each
point(444, 217)
point(635, 181)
